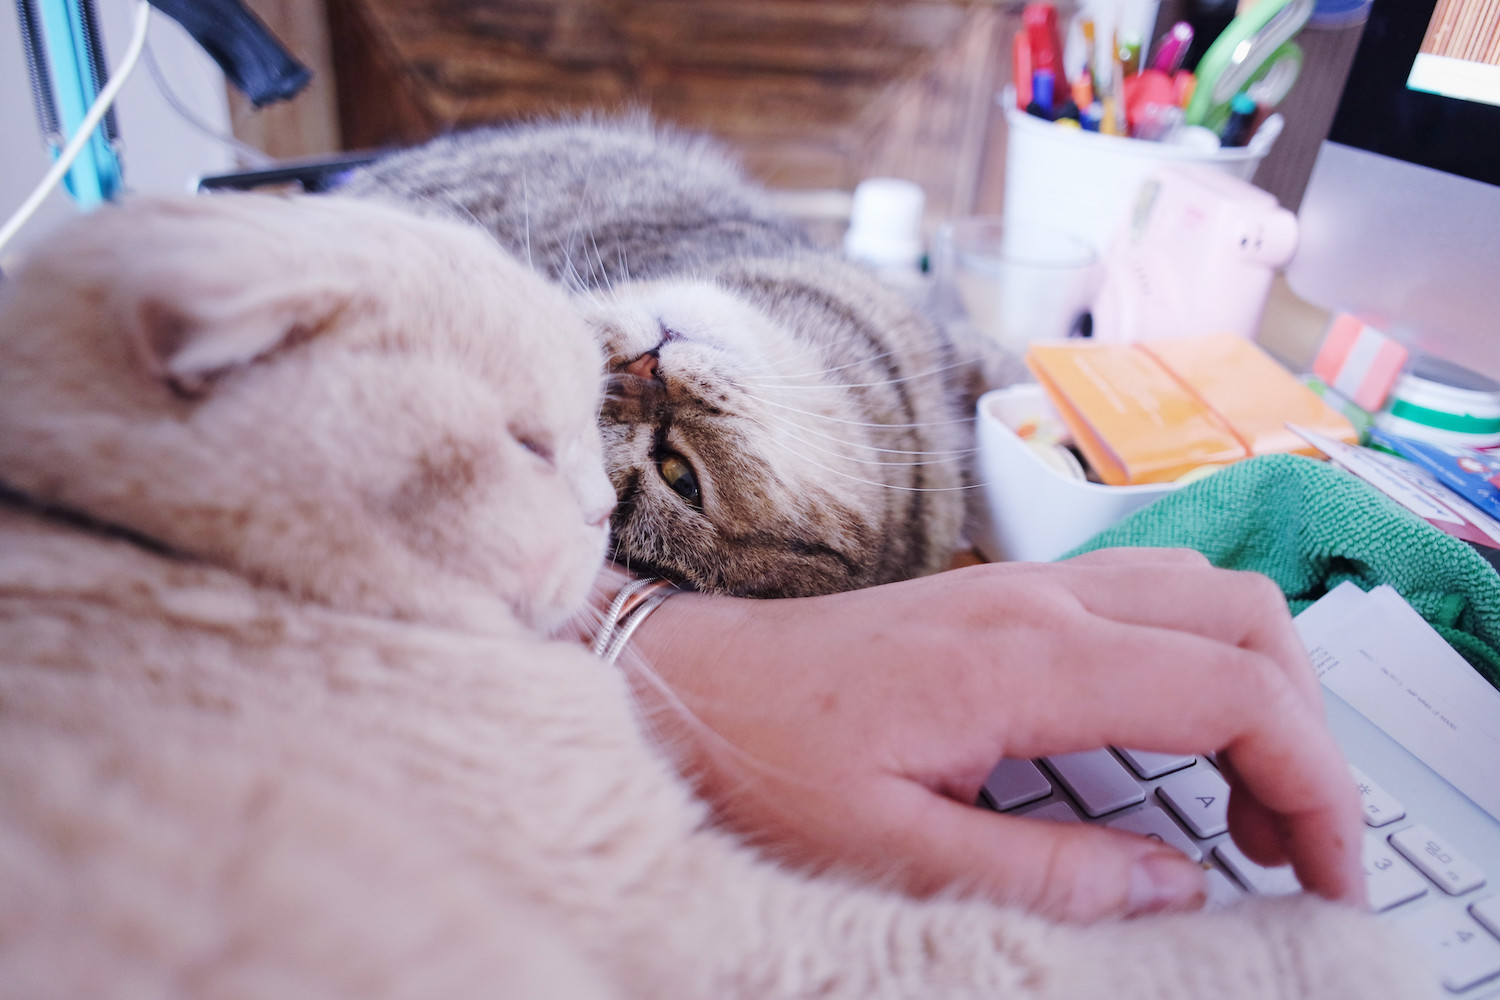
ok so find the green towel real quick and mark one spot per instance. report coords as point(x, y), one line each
point(1309, 526)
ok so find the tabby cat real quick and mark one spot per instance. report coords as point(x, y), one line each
point(285, 510)
point(779, 423)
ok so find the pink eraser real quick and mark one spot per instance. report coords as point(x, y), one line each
point(1359, 361)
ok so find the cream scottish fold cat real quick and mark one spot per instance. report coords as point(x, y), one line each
point(283, 514)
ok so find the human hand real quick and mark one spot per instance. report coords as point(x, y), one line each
point(853, 731)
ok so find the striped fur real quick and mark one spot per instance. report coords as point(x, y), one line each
point(823, 418)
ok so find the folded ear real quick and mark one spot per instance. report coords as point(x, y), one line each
point(189, 337)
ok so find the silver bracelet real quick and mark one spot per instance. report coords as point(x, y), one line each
point(631, 606)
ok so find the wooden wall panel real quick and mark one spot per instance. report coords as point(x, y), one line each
point(813, 93)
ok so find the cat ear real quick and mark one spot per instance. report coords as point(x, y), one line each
point(190, 343)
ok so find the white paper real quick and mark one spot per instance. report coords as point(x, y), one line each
point(1410, 485)
point(1376, 653)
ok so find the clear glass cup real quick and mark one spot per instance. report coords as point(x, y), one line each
point(1016, 287)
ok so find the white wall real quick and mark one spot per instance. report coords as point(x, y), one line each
point(161, 153)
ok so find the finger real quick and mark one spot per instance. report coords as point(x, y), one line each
point(1256, 829)
point(1146, 687)
point(1240, 609)
point(1208, 695)
point(1324, 844)
point(1138, 556)
point(1069, 871)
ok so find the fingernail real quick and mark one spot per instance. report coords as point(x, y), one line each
point(1165, 881)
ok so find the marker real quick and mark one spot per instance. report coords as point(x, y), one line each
point(1183, 84)
point(1145, 90)
point(1020, 59)
point(1042, 93)
point(1241, 123)
point(1083, 90)
point(1040, 20)
point(1090, 56)
point(1109, 120)
point(1130, 54)
point(1172, 48)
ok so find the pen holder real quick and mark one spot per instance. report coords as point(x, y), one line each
point(1084, 183)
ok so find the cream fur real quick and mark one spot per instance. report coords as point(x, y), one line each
point(316, 746)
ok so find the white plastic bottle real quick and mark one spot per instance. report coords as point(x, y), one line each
point(885, 226)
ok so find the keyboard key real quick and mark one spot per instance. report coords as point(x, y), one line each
point(1389, 880)
point(1055, 812)
point(1015, 782)
point(1463, 952)
point(1152, 822)
point(1222, 891)
point(1380, 806)
point(1149, 764)
point(1259, 879)
point(1487, 912)
point(1438, 861)
point(1096, 780)
point(1200, 798)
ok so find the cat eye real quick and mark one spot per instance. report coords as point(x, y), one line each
point(679, 475)
point(533, 444)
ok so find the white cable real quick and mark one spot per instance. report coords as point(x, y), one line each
point(86, 129)
point(248, 153)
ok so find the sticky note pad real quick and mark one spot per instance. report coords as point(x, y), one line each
point(1131, 418)
point(1251, 392)
point(1359, 361)
point(1154, 411)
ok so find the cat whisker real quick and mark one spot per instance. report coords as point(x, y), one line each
point(853, 448)
point(526, 218)
point(915, 377)
point(960, 422)
point(915, 462)
point(887, 486)
point(929, 453)
point(838, 368)
point(583, 201)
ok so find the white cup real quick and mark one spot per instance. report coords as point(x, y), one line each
point(1016, 291)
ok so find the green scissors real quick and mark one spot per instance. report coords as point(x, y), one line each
point(1255, 54)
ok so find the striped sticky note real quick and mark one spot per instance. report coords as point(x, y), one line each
point(1359, 361)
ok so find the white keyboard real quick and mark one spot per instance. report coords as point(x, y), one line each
point(1432, 858)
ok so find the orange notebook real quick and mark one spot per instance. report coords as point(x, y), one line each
point(1153, 411)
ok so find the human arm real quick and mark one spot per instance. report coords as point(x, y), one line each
point(854, 730)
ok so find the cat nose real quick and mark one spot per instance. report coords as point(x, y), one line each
point(643, 366)
point(596, 498)
point(599, 516)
